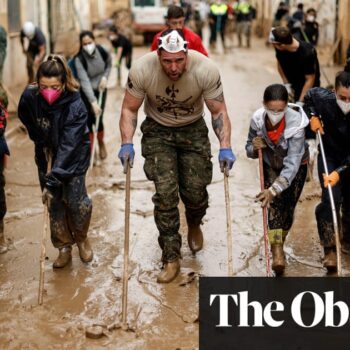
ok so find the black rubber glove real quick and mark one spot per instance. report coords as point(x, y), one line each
point(53, 185)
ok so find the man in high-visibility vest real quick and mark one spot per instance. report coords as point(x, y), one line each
point(244, 13)
point(217, 22)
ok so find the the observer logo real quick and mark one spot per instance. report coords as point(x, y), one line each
point(266, 315)
point(271, 314)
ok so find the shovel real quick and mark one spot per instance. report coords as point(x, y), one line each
point(264, 212)
point(334, 212)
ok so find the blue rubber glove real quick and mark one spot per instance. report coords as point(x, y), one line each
point(126, 155)
point(226, 160)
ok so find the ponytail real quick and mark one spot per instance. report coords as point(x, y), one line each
point(56, 66)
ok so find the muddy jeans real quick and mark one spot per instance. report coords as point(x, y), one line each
point(178, 161)
point(91, 114)
point(341, 194)
point(281, 212)
point(70, 214)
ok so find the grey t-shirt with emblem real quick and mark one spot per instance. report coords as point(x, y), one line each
point(174, 103)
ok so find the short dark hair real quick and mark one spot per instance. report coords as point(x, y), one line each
point(311, 9)
point(113, 29)
point(300, 6)
point(276, 92)
point(175, 12)
point(343, 78)
point(282, 35)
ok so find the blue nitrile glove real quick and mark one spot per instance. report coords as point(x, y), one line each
point(226, 159)
point(126, 155)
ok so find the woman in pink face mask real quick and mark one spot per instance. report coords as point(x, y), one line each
point(56, 119)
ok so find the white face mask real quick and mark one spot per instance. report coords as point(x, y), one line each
point(310, 18)
point(90, 48)
point(275, 117)
point(344, 106)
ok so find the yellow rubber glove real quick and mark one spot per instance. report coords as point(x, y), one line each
point(315, 125)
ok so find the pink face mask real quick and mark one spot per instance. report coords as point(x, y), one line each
point(50, 95)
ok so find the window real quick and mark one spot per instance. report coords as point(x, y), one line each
point(144, 2)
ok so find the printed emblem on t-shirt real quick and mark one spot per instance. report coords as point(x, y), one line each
point(173, 106)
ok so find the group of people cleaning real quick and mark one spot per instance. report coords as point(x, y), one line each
point(59, 116)
point(59, 108)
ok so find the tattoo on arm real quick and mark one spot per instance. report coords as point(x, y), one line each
point(218, 126)
point(134, 121)
point(220, 98)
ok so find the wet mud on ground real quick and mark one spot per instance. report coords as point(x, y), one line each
point(164, 316)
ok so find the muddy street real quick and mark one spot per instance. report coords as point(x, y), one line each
point(164, 316)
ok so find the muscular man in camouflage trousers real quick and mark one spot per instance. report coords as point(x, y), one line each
point(174, 83)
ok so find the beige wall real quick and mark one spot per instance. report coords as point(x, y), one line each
point(115, 5)
point(326, 16)
point(344, 28)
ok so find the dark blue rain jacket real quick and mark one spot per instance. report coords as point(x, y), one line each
point(61, 128)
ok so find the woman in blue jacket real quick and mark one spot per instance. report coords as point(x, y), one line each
point(56, 120)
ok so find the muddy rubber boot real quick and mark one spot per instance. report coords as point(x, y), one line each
point(3, 245)
point(195, 238)
point(345, 227)
point(330, 259)
point(278, 259)
point(64, 257)
point(169, 272)
point(102, 149)
point(85, 252)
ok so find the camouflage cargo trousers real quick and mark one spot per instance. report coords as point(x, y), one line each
point(178, 161)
